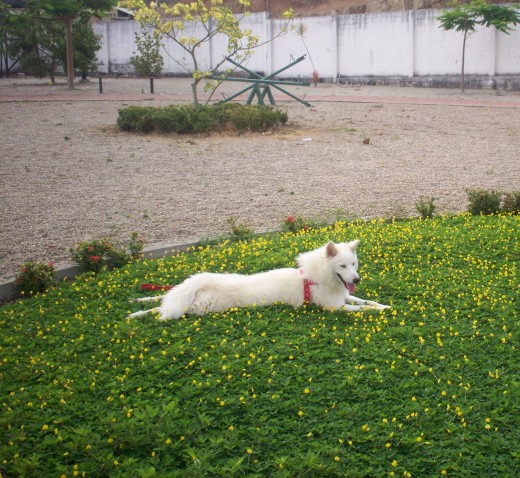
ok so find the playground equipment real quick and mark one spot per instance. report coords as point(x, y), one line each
point(261, 85)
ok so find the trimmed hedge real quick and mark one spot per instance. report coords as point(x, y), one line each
point(188, 119)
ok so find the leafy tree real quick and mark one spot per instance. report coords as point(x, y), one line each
point(180, 23)
point(148, 61)
point(39, 45)
point(8, 27)
point(69, 12)
point(467, 17)
point(85, 45)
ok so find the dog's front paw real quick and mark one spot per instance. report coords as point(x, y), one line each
point(383, 307)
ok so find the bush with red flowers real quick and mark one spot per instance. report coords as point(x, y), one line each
point(93, 256)
point(35, 277)
point(297, 223)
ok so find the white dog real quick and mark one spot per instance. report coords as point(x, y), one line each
point(326, 276)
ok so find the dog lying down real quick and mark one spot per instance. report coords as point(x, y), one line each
point(326, 276)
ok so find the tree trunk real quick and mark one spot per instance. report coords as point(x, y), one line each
point(194, 93)
point(462, 84)
point(70, 61)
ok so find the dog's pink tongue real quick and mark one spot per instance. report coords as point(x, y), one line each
point(351, 288)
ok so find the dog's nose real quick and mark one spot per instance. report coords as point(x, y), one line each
point(356, 280)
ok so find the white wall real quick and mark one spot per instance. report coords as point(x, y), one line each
point(408, 43)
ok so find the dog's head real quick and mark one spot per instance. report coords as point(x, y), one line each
point(344, 263)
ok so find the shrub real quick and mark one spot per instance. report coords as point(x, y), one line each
point(511, 202)
point(93, 256)
point(34, 277)
point(148, 61)
point(239, 230)
point(483, 202)
point(188, 119)
point(297, 223)
point(426, 207)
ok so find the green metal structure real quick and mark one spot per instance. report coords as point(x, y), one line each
point(261, 85)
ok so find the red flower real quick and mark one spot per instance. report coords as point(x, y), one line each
point(290, 219)
point(95, 258)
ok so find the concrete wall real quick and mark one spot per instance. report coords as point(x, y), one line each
point(397, 44)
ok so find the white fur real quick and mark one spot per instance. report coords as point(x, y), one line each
point(332, 269)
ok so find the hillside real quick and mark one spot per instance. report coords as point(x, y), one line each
point(303, 8)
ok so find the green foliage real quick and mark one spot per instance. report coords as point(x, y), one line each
point(35, 277)
point(188, 119)
point(511, 202)
point(482, 201)
point(191, 25)
point(297, 223)
point(85, 45)
point(67, 12)
point(148, 60)
point(93, 256)
point(40, 46)
point(239, 230)
point(426, 207)
point(427, 388)
point(466, 17)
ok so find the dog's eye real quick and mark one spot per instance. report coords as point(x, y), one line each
point(343, 266)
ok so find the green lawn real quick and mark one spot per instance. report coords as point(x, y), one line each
point(428, 388)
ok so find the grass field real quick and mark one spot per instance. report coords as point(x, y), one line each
point(430, 387)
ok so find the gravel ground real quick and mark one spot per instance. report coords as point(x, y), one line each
point(67, 174)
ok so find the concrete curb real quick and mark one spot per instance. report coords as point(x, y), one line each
point(8, 290)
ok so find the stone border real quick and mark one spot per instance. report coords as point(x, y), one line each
point(8, 289)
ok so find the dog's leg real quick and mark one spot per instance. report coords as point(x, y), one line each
point(144, 312)
point(367, 304)
point(155, 298)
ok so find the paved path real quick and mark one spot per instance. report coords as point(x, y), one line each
point(509, 102)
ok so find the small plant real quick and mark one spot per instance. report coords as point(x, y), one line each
point(93, 256)
point(148, 61)
point(297, 223)
point(35, 277)
point(426, 207)
point(239, 230)
point(511, 202)
point(483, 202)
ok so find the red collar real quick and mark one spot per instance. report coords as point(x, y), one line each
point(306, 289)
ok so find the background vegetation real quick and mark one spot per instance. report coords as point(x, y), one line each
point(428, 388)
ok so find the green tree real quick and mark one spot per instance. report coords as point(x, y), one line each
point(148, 60)
point(69, 12)
point(191, 25)
point(39, 45)
point(9, 25)
point(467, 17)
point(85, 45)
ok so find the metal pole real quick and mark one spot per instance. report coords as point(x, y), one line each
point(100, 85)
point(151, 86)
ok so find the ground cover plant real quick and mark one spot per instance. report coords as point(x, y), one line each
point(428, 388)
point(188, 119)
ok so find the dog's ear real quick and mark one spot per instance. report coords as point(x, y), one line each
point(331, 249)
point(353, 244)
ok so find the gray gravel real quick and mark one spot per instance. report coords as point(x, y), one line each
point(67, 174)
